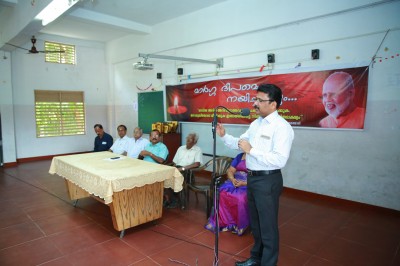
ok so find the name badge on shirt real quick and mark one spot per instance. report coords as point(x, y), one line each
point(104, 142)
point(266, 137)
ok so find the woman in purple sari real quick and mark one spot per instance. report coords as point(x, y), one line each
point(233, 211)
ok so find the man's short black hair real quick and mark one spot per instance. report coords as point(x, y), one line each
point(273, 91)
point(156, 130)
point(98, 125)
point(122, 126)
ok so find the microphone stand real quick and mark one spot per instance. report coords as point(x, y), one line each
point(215, 186)
point(216, 182)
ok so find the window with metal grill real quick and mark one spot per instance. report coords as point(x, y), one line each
point(53, 56)
point(59, 113)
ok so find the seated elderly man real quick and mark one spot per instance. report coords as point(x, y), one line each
point(155, 151)
point(121, 144)
point(137, 143)
point(190, 155)
point(187, 156)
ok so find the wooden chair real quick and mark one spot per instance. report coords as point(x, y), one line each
point(200, 181)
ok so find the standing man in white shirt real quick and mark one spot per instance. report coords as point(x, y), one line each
point(121, 144)
point(267, 143)
point(137, 143)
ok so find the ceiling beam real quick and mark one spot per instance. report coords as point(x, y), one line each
point(8, 2)
point(129, 25)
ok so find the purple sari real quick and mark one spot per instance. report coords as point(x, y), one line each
point(233, 210)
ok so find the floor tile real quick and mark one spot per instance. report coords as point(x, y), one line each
point(315, 261)
point(12, 216)
point(396, 259)
point(326, 220)
point(150, 242)
point(40, 226)
point(75, 239)
point(287, 213)
point(18, 234)
point(114, 252)
point(289, 256)
point(185, 226)
point(228, 243)
point(146, 262)
point(168, 231)
point(60, 261)
point(48, 210)
point(29, 253)
point(350, 253)
point(33, 198)
point(62, 222)
point(302, 238)
point(381, 219)
point(372, 237)
point(188, 253)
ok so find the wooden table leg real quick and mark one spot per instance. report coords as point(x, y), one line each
point(136, 206)
point(129, 208)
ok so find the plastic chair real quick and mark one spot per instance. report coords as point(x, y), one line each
point(200, 181)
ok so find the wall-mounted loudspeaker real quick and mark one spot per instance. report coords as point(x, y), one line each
point(271, 58)
point(159, 75)
point(315, 54)
point(180, 71)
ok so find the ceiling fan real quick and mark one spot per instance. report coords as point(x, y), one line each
point(33, 49)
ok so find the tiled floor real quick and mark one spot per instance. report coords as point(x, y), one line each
point(39, 226)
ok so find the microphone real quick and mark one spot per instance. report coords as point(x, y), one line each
point(245, 112)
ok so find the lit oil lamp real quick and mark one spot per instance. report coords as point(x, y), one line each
point(178, 112)
point(177, 109)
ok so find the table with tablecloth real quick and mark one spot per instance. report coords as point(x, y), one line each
point(132, 188)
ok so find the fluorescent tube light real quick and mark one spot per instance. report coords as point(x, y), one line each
point(55, 9)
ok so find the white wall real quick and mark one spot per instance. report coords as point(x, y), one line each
point(6, 109)
point(363, 165)
point(30, 72)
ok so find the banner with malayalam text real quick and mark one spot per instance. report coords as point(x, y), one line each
point(330, 98)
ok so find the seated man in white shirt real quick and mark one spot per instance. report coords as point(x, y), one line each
point(190, 155)
point(121, 144)
point(137, 143)
point(187, 156)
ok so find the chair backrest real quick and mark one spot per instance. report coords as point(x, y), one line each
point(202, 181)
point(222, 164)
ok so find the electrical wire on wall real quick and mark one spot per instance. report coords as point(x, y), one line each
point(377, 50)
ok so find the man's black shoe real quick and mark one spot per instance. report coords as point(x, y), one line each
point(248, 262)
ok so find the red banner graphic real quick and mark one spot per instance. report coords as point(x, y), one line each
point(331, 98)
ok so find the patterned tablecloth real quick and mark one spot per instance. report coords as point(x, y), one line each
point(101, 176)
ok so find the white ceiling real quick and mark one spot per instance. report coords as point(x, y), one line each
point(105, 20)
